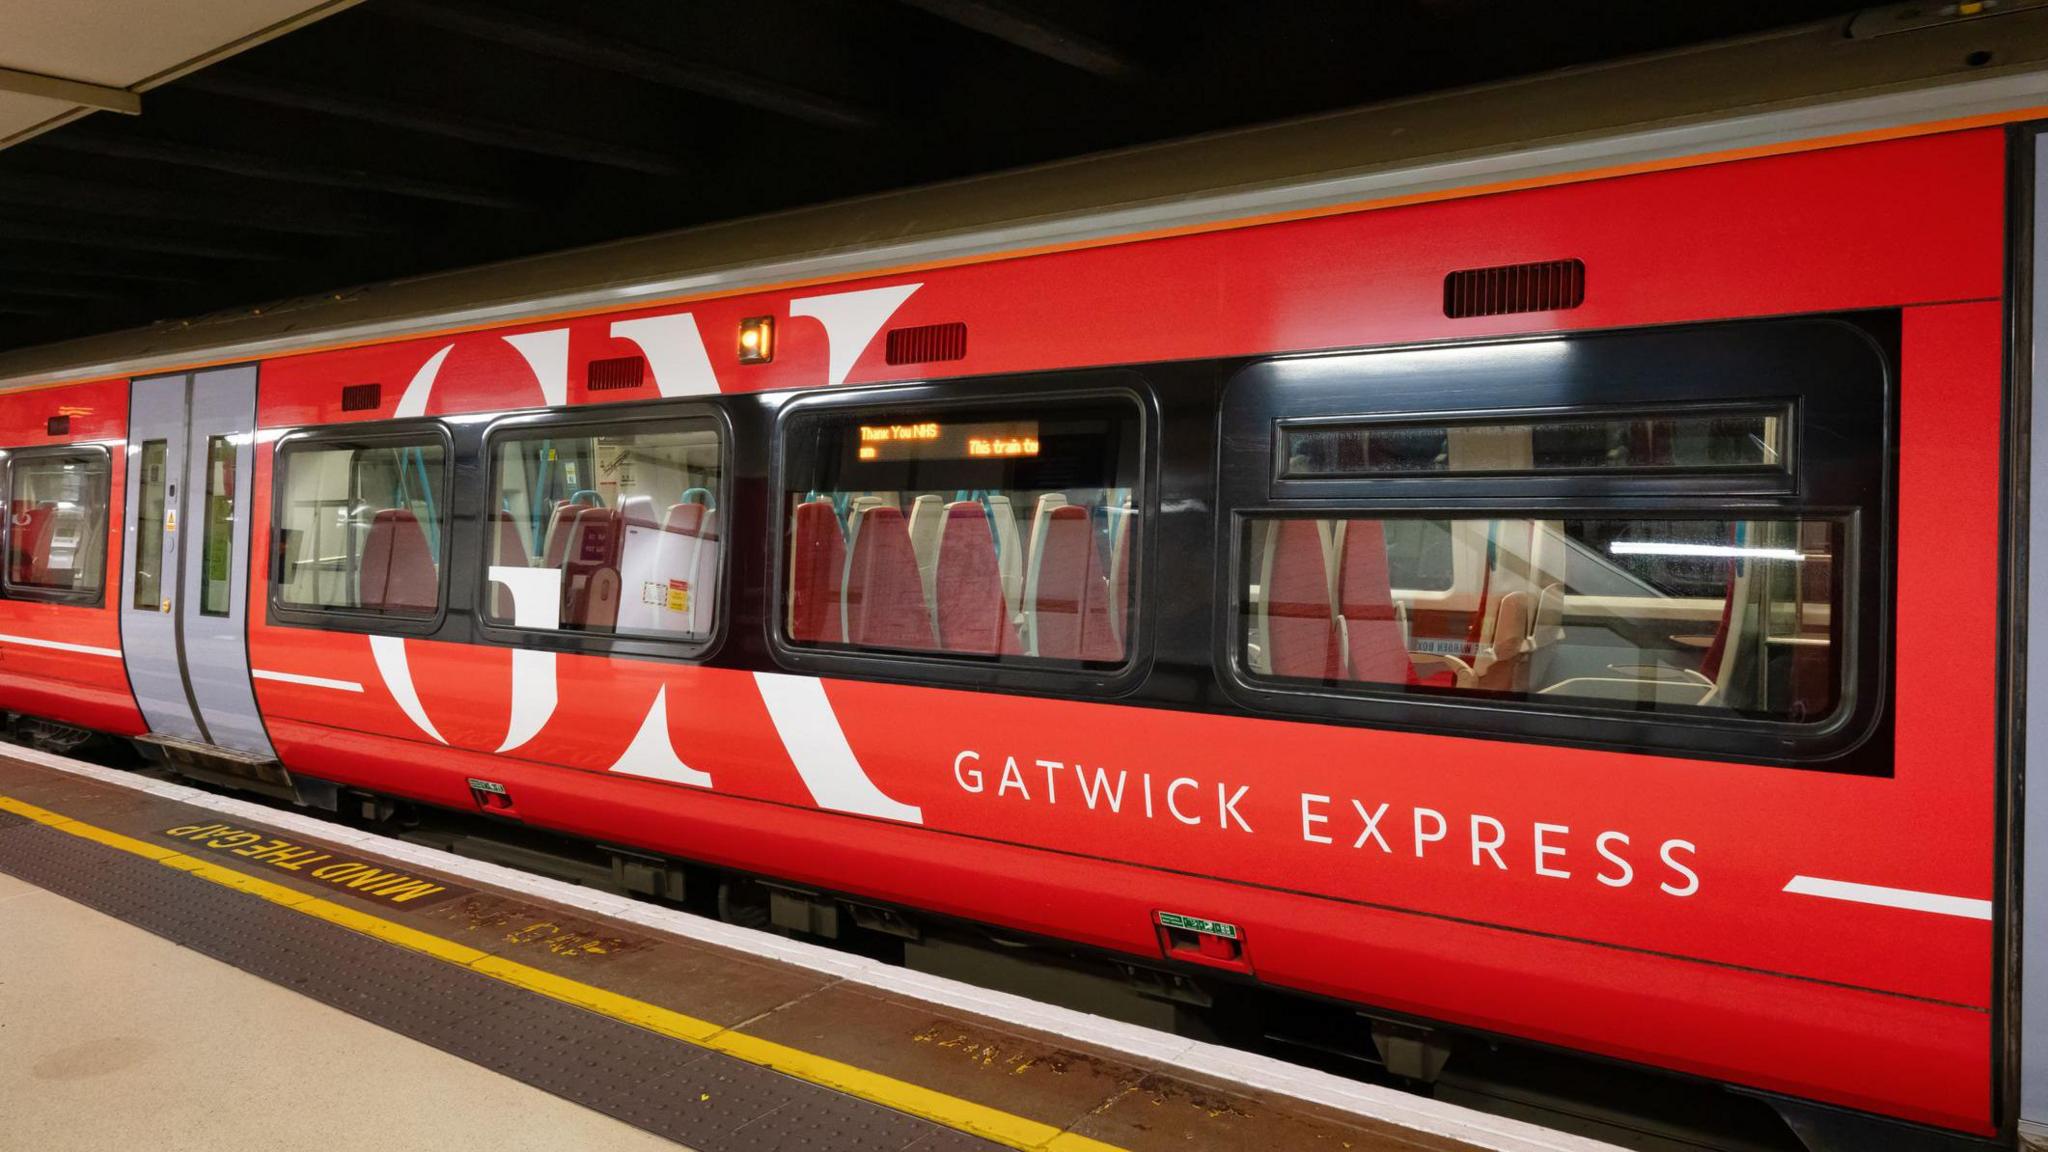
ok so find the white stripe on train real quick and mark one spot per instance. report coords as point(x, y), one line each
point(1905, 898)
point(61, 646)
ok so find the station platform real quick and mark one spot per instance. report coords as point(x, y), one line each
point(185, 969)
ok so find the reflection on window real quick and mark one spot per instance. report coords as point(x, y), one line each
point(1638, 615)
point(607, 530)
point(57, 523)
point(360, 527)
point(149, 528)
point(1691, 441)
point(1005, 536)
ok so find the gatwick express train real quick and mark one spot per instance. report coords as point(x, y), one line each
point(1544, 562)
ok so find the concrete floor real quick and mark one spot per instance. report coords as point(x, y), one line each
point(111, 1038)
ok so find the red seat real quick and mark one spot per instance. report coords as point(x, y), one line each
point(885, 605)
point(967, 586)
point(1301, 632)
point(1070, 617)
point(683, 518)
point(29, 562)
point(1372, 637)
point(817, 572)
point(398, 568)
point(591, 559)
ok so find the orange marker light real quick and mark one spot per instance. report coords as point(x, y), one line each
point(757, 340)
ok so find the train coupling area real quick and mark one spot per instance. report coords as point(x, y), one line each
point(545, 995)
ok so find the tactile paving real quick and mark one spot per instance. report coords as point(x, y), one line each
point(705, 1099)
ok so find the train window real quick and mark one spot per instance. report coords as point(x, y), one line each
point(1620, 612)
point(1662, 539)
point(1712, 439)
point(1004, 534)
point(360, 525)
point(607, 529)
point(218, 533)
point(57, 524)
point(149, 526)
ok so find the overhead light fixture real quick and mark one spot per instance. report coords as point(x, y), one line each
point(1661, 548)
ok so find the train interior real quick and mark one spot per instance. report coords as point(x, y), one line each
point(629, 521)
point(361, 527)
point(1650, 611)
point(57, 513)
point(1042, 573)
point(1007, 539)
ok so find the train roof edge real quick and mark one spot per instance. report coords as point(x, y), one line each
point(1812, 82)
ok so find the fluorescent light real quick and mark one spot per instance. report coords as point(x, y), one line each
point(1661, 548)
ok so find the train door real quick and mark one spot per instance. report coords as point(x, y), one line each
point(185, 572)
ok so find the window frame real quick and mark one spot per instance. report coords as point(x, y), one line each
point(94, 598)
point(994, 394)
point(602, 416)
point(1828, 369)
point(369, 434)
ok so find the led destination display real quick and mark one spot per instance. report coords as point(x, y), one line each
point(931, 440)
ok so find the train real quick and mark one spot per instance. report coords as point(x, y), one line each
point(1544, 562)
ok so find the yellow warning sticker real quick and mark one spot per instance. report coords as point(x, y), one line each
point(679, 595)
point(356, 877)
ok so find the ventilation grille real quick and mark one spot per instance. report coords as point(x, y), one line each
point(619, 372)
point(1547, 286)
point(928, 343)
point(60, 425)
point(362, 397)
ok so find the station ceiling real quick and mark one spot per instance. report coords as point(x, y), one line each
point(284, 148)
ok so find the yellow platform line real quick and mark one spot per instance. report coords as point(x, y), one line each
point(965, 1115)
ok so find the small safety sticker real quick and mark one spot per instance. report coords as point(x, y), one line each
point(679, 595)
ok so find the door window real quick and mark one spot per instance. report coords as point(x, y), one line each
point(217, 546)
point(149, 527)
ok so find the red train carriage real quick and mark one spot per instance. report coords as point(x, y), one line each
point(1568, 608)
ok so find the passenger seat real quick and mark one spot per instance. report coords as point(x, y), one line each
point(884, 598)
point(968, 610)
point(397, 573)
point(1297, 630)
point(1066, 594)
point(817, 571)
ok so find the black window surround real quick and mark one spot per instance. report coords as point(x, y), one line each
point(992, 398)
point(1835, 375)
point(84, 598)
point(590, 420)
point(378, 434)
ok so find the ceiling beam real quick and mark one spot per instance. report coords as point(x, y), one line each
point(98, 97)
point(86, 236)
point(141, 202)
point(451, 125)
point(257, 167)
point(1029, 32)
point(544, 37)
